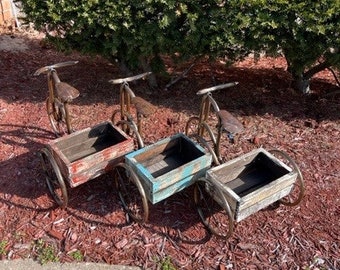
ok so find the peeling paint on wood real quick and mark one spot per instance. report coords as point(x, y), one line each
point(169, 166)
point(88, 153)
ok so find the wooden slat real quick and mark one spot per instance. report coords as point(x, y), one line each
point(89, 147)
point(156, 157)
point(151, 151)
point(102, 129)
point(244, 212)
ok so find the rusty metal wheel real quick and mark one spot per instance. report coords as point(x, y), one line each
point(59, 117)
point(131, 193)
point(192, 129)
point(296, 194)
point(127, 125)
point(54, 178)
point(213, 208)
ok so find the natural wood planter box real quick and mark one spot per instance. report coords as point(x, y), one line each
point(252, 181)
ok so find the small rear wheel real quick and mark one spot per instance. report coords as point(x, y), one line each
point(59, 117)
point(191, 130)
point(132, 132)
point(296, 194)
point(116, 116)
point(213, 208)
point(131, 193)
point(191, 127)
point(54, 178)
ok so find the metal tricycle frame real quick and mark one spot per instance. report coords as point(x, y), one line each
point(60, 95)
point(199, 126)
point(86, 154)
point(215, 186)
point(123, 117)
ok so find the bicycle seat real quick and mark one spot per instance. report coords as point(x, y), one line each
point(66, 92)
point(230, 123)
point(143, 107)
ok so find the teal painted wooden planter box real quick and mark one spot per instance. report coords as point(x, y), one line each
point(168, 166)
point(88, 153)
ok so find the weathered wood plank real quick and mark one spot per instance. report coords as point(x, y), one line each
point(252, 181)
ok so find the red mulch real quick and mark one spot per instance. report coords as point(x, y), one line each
point(307, 128)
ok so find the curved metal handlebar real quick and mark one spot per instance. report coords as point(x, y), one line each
point(217, 87)
point(54, 66)
point(130, 79)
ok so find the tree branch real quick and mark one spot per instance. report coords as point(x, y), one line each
point(321, 66)
point(181, 76)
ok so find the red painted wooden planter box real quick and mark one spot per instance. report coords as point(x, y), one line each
point(88, 153)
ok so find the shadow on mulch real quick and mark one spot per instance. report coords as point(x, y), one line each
point(27, 176)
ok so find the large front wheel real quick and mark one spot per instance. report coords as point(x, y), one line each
point(131, 193)
point(58, 115)
point(213, 208)
point(54, 178)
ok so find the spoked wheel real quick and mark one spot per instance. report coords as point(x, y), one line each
point(131, 193)
point(54, 179)
point(59, 118)
point(130, 128)
point(298, 189)
point(213, 209)
point(191, 130)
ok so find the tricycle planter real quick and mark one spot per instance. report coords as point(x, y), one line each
point(250, 183)
point(82, 156)
point(164, 168)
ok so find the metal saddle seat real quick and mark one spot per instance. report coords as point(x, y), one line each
point(229, 123)
point(143, 107)
point(66, 92)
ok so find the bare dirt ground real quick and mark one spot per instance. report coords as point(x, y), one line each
point(94, 225)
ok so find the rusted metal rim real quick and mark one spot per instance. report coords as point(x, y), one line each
point(121, 180)
point(220, 199)
point(46, 157)
point(299, 179)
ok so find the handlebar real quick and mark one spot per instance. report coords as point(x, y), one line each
point(129, 79)
point(54, 66)
point(217, 87)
